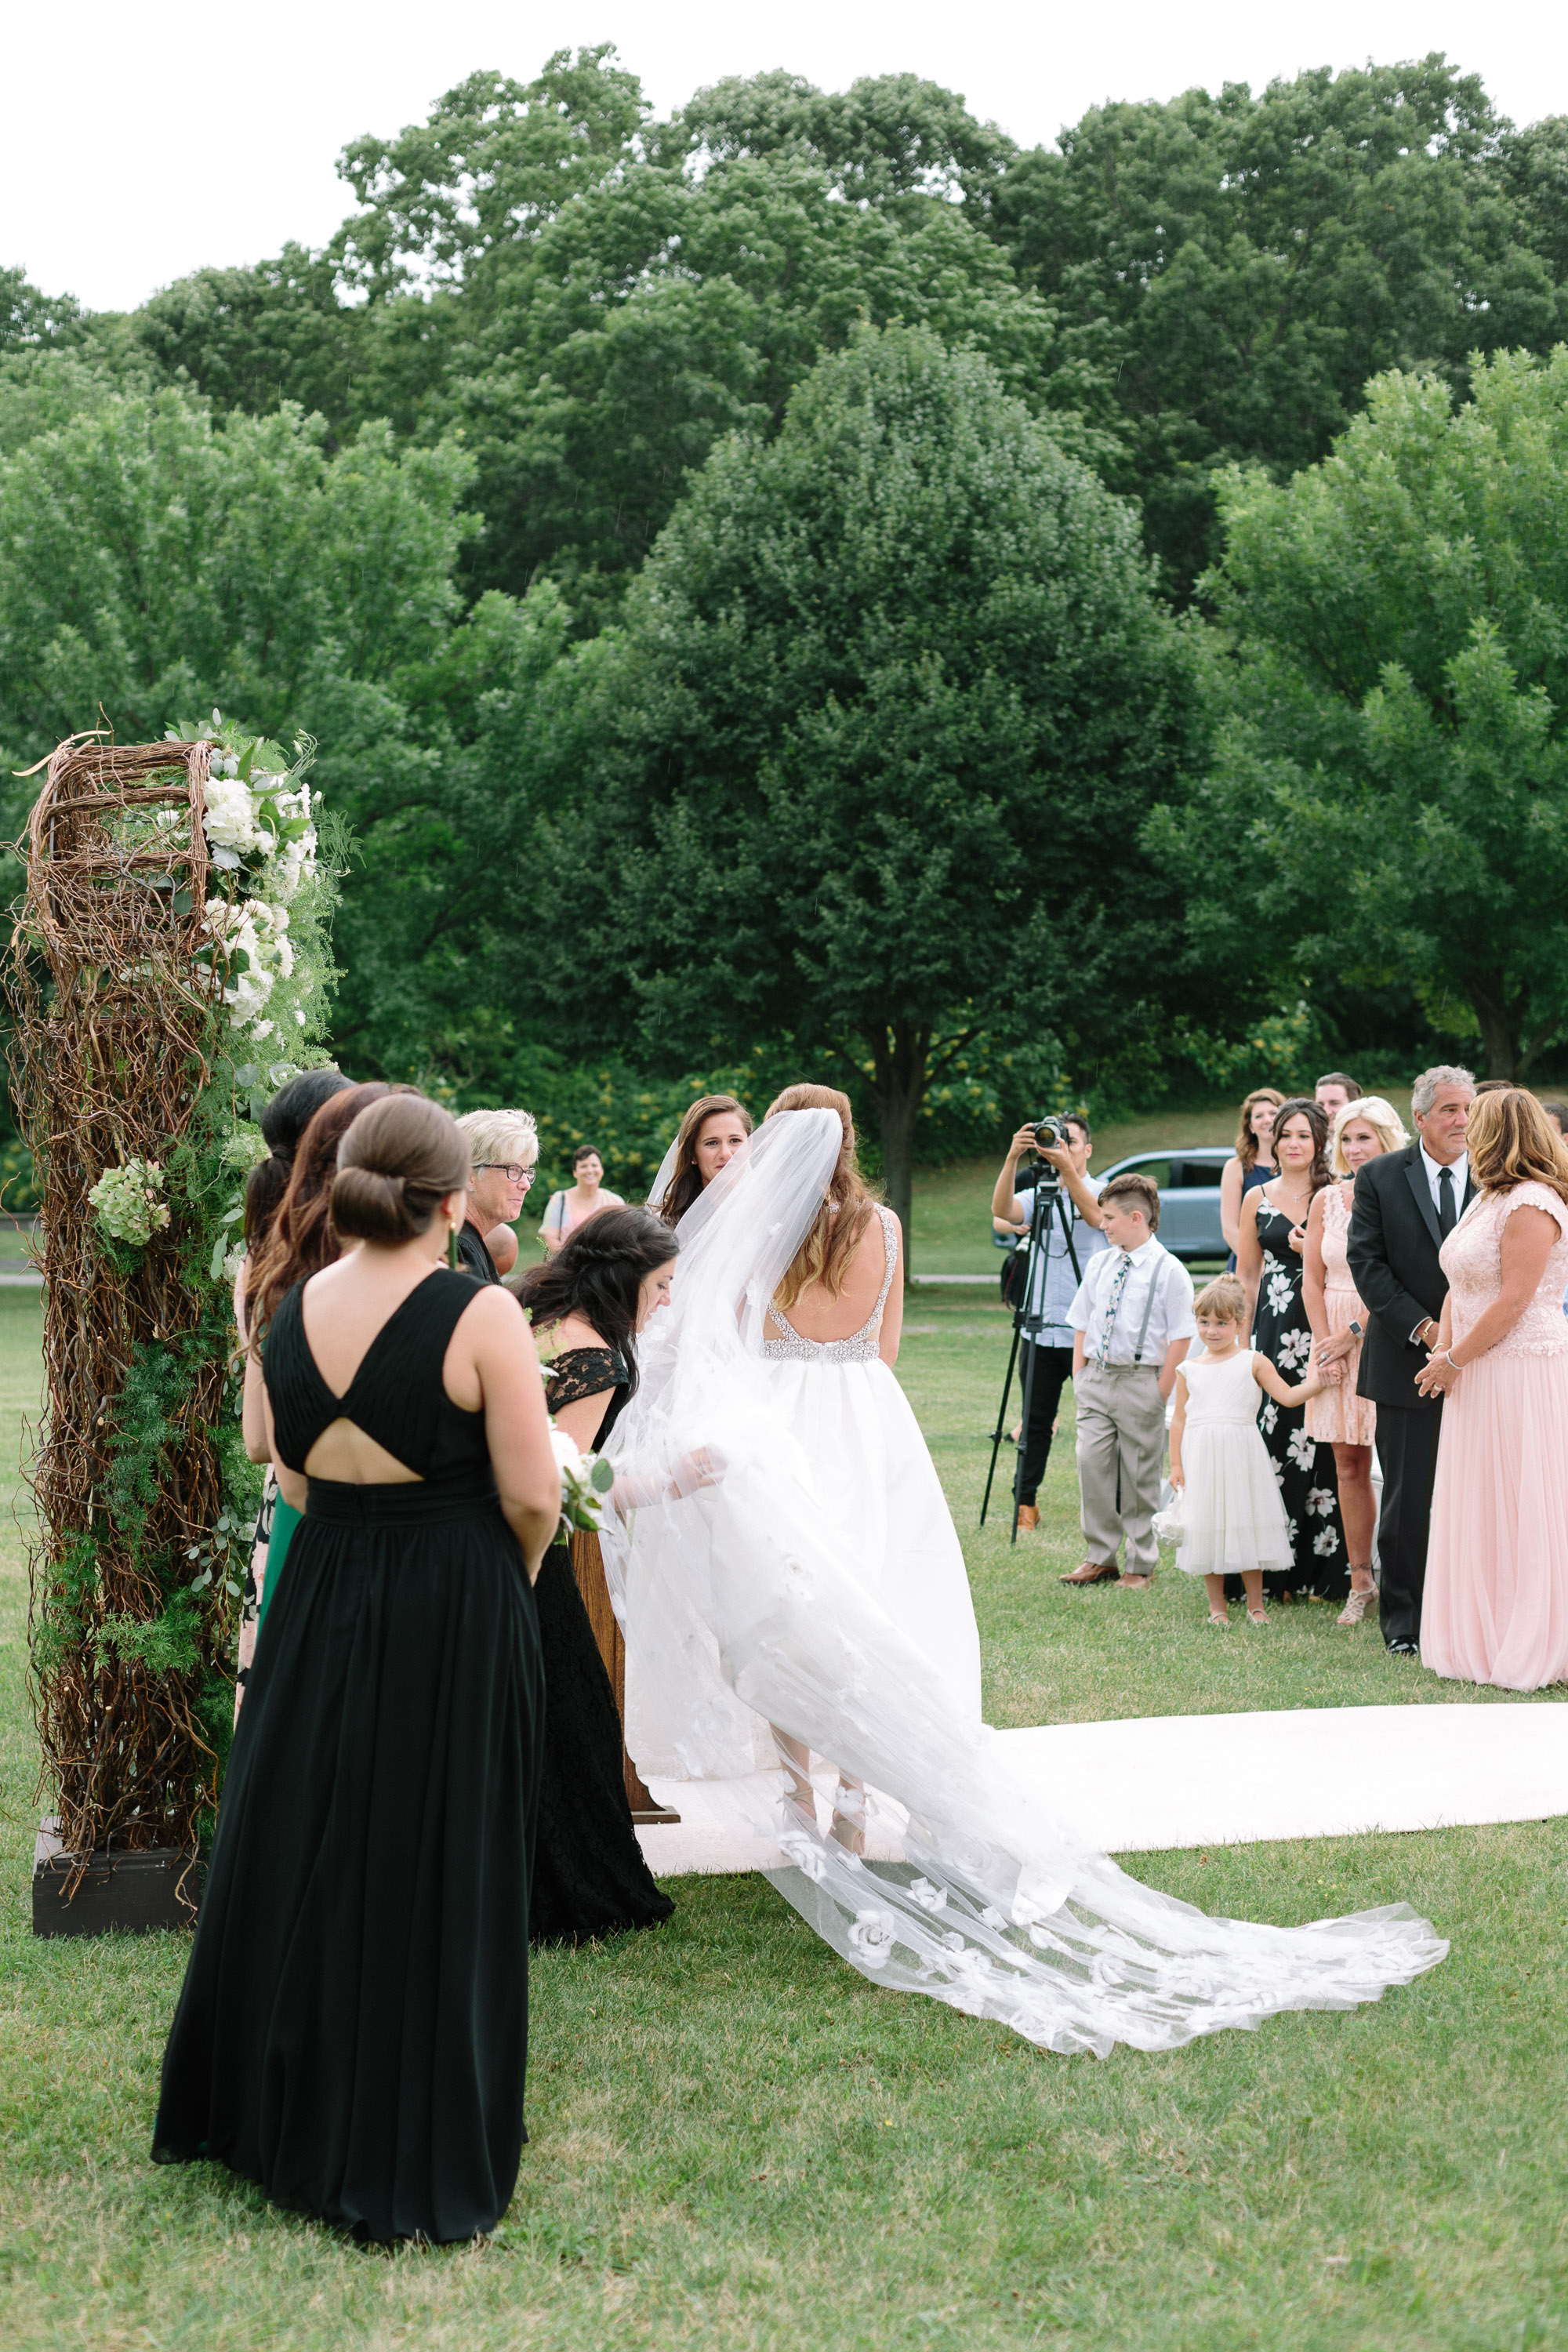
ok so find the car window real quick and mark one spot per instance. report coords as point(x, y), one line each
point(1157, 1171)
point(1189, 1175)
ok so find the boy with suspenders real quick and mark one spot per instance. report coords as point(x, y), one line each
point(1132, 1324)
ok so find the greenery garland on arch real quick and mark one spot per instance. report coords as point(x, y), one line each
point(170, 969)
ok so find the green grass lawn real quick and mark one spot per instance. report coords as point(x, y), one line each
point(737, 2143)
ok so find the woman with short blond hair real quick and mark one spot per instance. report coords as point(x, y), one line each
point(1496, 1604)
point(1365, 1127)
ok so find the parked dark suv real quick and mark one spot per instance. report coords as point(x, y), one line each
point(1189, 1196)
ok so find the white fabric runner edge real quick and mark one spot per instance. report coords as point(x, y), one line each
point(1150, 1783)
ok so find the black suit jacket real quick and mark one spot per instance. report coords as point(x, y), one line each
point(1393, 1253)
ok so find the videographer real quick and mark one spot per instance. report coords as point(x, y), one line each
point(1047, 1341)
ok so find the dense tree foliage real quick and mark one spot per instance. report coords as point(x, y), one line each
point(1390, 792)
point(1246, 264)
point(577, 474)
point(870, 759)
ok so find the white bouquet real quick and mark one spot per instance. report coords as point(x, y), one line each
point(585, 1477)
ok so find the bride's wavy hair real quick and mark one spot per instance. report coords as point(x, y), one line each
point(1511, 1141)
point(825, 1254)
point(598, 1273)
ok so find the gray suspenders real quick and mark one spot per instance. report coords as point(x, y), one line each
point(1148, 1310)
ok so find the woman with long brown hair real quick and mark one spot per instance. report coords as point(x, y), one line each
point(1253, 1164)
point(713, 1130)
point(1495, 1608)
point(830, 1345)
point(1271, 1262)
point(283, 1125)
point(299, 1243)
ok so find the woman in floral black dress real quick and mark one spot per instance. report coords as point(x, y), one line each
point(1270, 1262)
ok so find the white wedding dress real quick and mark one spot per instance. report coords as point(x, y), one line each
point(759, 1569)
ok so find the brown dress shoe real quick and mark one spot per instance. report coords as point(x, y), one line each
point(1094, 1571)
point(1137, 1583)
point(1028, 1516)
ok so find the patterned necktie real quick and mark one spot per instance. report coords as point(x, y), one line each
point(1445, 1217)
point(1118, 1285)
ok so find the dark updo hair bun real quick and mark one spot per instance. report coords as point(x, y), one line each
point(397, 1162)
point(283, 1122)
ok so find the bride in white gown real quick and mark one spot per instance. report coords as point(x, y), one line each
point(784, 1557)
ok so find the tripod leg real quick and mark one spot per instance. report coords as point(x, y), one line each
point(1001, 1423)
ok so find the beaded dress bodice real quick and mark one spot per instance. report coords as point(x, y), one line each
point(1472, 1260)
point(861, 1347)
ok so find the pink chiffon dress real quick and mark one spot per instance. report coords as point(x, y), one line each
point(1338, 1416)
point(1496, 1604)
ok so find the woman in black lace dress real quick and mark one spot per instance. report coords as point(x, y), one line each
point(1271, 1264)
point(352, 2032)
point(594, 1298)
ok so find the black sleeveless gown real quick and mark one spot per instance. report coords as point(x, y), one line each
point(589, 1876)
point(352, 2032)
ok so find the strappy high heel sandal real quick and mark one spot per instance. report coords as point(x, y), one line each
point(1360, 1604)
point(1258, 1616)
point(849, 1816)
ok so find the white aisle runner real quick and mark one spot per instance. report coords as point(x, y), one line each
point(1157, 1782)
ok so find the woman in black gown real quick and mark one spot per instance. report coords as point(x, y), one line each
point(1273, 1233)
point(352, 2030)
point(596, 1294)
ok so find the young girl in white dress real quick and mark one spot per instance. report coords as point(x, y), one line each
point(1233, 1521)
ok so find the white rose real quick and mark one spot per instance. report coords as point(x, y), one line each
point(872, 1938)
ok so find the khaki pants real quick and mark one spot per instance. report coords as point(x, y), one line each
point(1121, 1455)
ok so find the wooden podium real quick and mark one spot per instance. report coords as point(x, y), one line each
point(588, 1568)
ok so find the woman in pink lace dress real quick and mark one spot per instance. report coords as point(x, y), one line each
point(1338, 1417)
point(1496, 1606)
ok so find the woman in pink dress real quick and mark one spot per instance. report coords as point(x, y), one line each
point(1496, 1606)
point(1338, 1417)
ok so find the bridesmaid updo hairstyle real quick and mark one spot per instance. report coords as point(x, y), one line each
point(598, 1273)
point(395, 1165)
point(1224, 1299)
point(283, 1123)
point(1303, 1107)
point(1511, 1141)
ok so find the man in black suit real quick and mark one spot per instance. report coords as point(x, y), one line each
point(1407, 1204)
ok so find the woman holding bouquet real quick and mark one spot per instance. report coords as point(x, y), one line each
point(592, 1297)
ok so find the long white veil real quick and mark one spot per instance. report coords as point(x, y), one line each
point(727, 1572)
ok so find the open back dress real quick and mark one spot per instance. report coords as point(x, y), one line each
point(352, 2031)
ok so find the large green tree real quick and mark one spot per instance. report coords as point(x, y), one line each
point(1389, 798)
point(870, 761)
point(152, 565)
point(1245, 263)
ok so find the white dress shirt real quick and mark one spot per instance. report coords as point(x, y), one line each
point(1459, 1171)
point(1149, 1269)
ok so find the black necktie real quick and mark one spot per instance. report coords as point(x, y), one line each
point(1445, 1218)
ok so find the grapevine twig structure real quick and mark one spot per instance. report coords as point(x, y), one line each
point(117, 1000)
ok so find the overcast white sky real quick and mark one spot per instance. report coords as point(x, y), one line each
point(141, 142)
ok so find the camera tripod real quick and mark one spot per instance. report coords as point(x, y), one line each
point(1048, 1208)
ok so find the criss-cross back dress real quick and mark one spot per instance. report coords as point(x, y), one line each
point(352, 2032)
